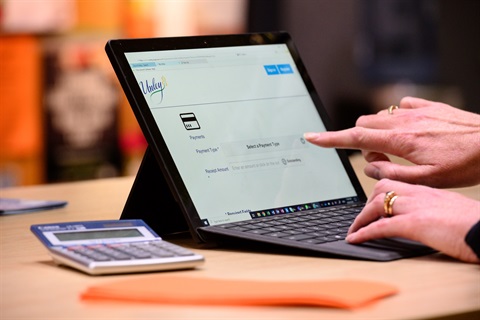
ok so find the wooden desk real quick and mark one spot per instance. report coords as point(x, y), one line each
point(32, 287)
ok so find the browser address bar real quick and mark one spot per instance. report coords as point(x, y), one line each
point(168, 63)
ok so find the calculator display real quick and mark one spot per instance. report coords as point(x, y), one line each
point(98, 234)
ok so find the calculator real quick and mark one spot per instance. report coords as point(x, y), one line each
point(113, 246)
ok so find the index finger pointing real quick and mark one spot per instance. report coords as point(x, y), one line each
point(353, 138)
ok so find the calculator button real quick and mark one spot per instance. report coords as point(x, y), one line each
point(115, 254)
point(159, 250)
point(132, 251)
point(183, 252)
point(147, 250)
point(138, 254)
point(169, 247)
point(162, 253)
point(95, 256)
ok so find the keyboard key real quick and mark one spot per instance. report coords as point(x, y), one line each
point(258, 231)
point(298, 237)
point(277, 234)
point(315, 241)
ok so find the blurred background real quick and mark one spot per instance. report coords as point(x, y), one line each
point(63, 116)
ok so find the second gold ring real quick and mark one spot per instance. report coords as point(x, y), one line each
point(391, 108)
point(388, 201)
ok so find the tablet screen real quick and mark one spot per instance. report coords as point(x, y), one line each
point(233, 120)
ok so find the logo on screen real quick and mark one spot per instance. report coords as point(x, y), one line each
point(154, 89)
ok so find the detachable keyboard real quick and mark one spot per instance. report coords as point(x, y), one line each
point(314, 226)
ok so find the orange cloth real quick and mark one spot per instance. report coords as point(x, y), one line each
point(164, 289)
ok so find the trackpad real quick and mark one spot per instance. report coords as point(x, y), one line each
point(382, 249)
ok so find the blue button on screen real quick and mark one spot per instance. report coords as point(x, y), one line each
point(285, 68)
point(271, 69)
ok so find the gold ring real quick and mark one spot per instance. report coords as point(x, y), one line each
point(388, 201)
point(391, 108)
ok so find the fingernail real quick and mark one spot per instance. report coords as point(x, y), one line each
point(372, 172)
point(309, 135)
point(350, 237)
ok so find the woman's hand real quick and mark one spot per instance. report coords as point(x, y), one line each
point(437, 218)
point(442, 141)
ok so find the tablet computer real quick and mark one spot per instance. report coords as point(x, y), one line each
point(224, 118)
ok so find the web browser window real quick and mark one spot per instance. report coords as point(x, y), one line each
point(233, 120)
